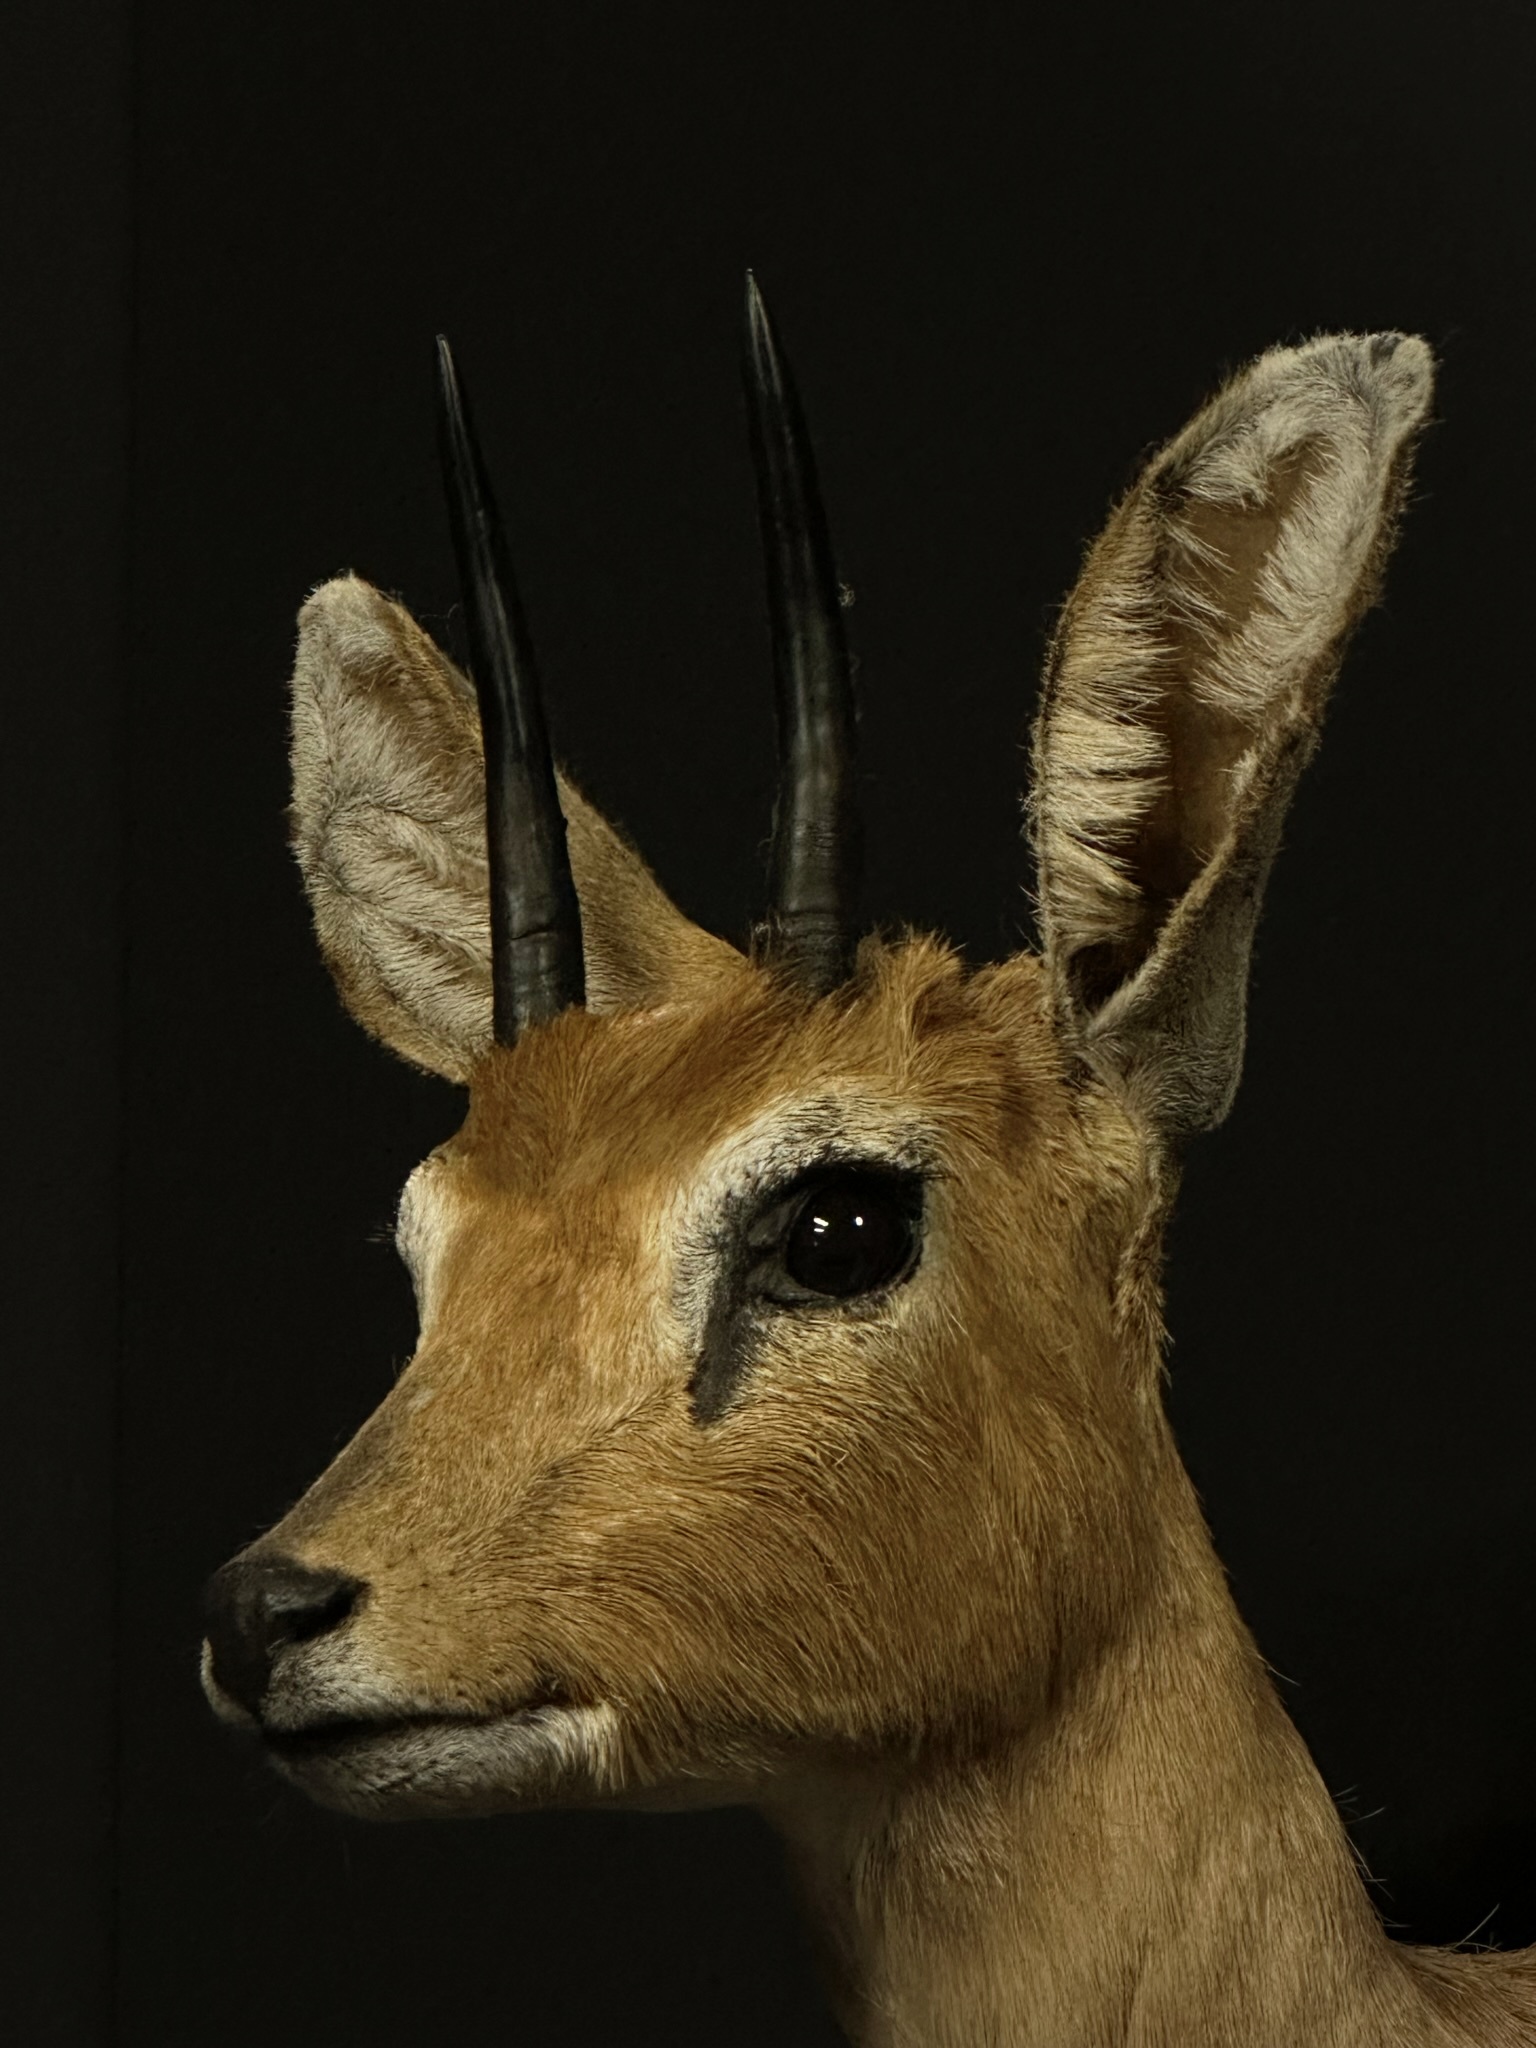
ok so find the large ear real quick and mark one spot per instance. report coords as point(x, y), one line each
point(1184, 693)
point(388, 824)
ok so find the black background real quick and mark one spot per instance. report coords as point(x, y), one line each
point(1007, 251)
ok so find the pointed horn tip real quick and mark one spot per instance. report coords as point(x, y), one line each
point(458, 449)
point(759, 321)
point(764, 367)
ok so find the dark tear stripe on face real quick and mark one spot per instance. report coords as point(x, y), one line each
point(750, 1286)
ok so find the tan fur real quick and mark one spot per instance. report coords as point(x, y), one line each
point(934, 1590)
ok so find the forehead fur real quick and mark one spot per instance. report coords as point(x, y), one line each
point(588, 1097)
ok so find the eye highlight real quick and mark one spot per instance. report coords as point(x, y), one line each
point(848, 1233)
point(850, 1237)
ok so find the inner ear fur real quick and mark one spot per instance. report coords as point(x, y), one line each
point(388, 824)
point(1184, 692)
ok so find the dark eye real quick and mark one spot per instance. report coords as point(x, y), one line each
point(851, 1235)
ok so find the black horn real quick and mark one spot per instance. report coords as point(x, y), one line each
point(536, 957)
point(812, 924)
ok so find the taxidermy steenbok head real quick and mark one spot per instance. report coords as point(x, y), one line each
point(785, 1421)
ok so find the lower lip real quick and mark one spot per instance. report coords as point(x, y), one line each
point(337, 1739)
point(538, 1754)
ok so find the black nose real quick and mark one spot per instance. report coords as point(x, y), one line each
point(256, 1604)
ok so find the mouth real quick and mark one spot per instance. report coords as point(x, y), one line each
point(341, 1735)
point(339, 1738)
point(546, 1750)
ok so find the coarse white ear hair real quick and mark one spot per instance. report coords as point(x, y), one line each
point(388, 823)
point(1184, 693)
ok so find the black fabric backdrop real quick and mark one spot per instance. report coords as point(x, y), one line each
point(1007, 253)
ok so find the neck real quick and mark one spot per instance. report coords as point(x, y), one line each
point(1156, 1862)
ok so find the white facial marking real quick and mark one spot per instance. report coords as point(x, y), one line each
point(422, 1224)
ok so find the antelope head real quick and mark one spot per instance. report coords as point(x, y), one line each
point(787, 1393)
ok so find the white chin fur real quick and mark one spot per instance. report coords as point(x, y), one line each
point(549, 1755)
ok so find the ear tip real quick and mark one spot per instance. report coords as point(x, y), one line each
point(1391, 374)
point(1401, 369)
point(352, 638)
point(337, 593)
point(340, 608)
point(1369, 393)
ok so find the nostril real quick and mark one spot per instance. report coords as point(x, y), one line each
point(256, 1605)
point(310, 1605)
